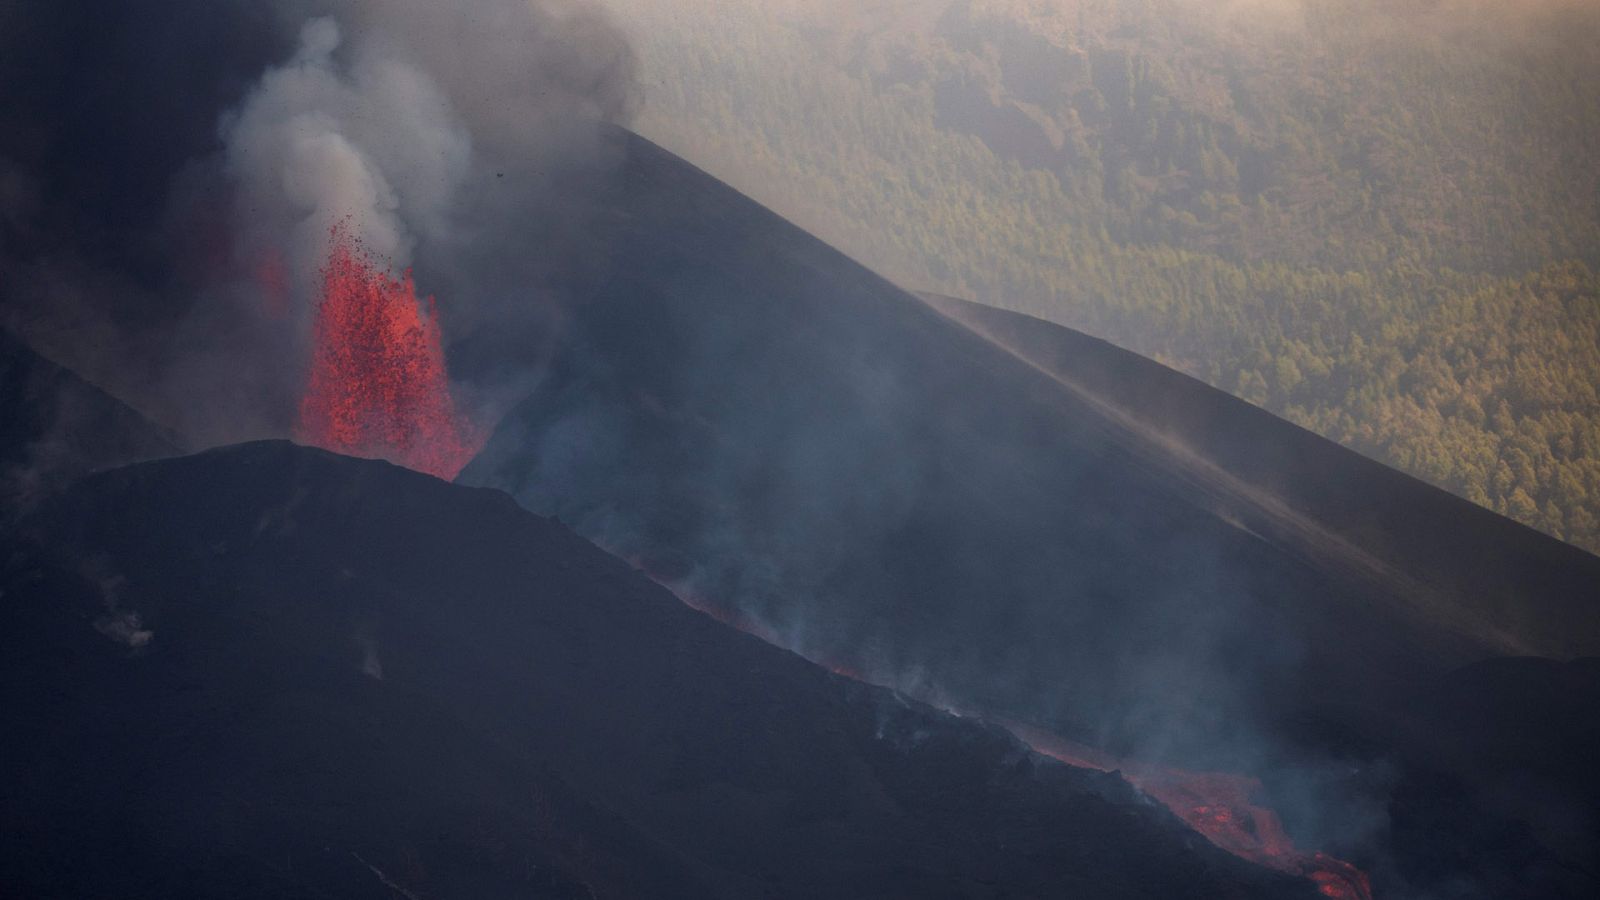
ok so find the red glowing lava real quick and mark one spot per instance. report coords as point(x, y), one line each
point(1220, 806)
point(378, 385)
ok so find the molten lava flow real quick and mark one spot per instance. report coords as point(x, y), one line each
point(1220, 806)
point(688, 596)
point(378, 385)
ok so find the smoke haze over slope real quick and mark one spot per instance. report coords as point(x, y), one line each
point(1378, 220)
point(1004, 519)
point(799, 448)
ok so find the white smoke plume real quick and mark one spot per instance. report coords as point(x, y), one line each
point(445, 134)
point(374, 142)
point(387, 109)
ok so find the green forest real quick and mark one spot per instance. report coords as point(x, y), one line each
point(1378, 220)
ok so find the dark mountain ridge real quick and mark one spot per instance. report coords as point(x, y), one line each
point(804, 448)
point(778, 430)
point(271, 671)
point(55, 426)
point(799, 446)
point(1538, 592)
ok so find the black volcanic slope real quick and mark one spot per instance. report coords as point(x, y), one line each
point(1542, 593)
point(54, 426)
point(749, 413)
point(1022, 522)
point(271, 671)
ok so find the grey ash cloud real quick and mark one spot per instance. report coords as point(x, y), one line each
point(168, 169)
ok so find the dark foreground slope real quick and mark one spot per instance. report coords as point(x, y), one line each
point(270, 671)
point(834, 463)
point(54, 426)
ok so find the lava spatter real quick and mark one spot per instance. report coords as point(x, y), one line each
point(378, 386)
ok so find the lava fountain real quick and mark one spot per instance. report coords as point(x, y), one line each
point(378, 385)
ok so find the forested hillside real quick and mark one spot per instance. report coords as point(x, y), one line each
point(1381, 220)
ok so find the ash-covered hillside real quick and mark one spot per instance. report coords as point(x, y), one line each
point(55, 426)
point(762, 422)
point(1535, 590)
point(1031, 526)
point(272, 671)
point(921, 531)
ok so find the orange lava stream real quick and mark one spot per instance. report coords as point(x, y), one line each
point(1221, 806)
point(378, 385)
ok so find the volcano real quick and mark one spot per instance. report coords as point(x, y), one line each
point(301, 674)
point(774, 578)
